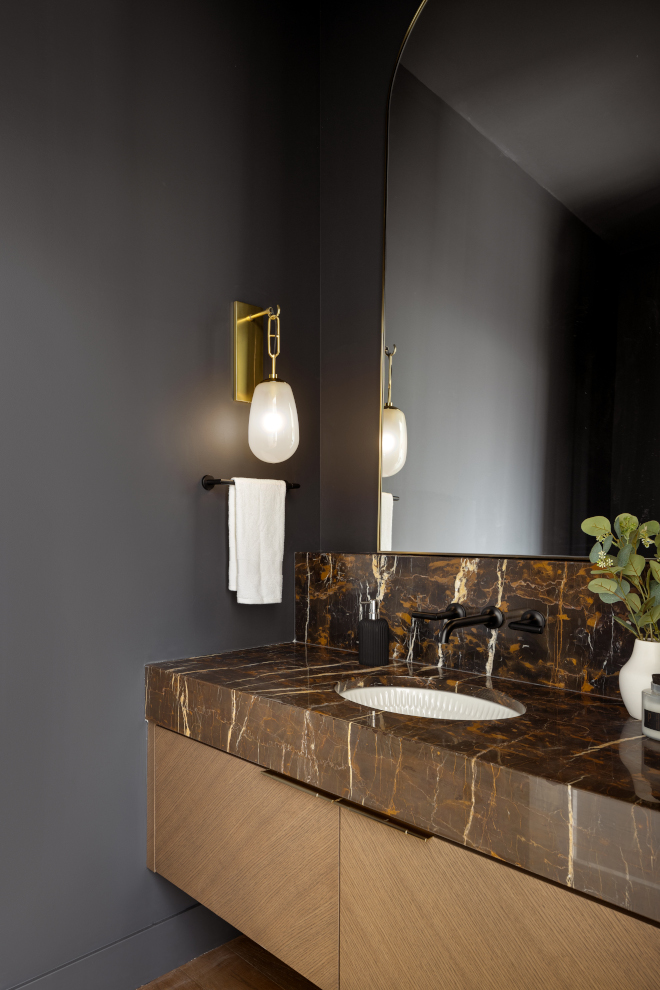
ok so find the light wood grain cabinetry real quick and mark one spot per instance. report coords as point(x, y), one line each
point(263, 856)
point(420, 915)
point(413, 915)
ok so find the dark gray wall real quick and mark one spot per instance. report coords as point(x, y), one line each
point(569, 90)
point(158, 159)
point(359, 47)
point(492, 292)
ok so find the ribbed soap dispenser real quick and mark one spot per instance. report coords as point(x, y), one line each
point(373, 637)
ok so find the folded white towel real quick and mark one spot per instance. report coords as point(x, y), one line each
point(386, 513)
point(256, 540)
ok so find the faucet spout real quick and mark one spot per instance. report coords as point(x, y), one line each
point(490, 617)
point(453, 611)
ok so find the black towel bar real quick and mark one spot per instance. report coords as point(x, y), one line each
point(209, 483)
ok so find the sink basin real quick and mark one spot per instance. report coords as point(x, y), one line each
point(419, 697)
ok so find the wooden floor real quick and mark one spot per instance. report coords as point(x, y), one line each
point(237, 965)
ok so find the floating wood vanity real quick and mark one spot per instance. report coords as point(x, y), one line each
point(314, 828)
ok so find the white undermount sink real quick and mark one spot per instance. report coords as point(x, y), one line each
point(427, 702)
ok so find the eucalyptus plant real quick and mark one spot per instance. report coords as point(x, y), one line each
point(627, 577)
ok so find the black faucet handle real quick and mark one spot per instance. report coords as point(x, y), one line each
point(496, 617)
point(530, 621)
point(453, 611)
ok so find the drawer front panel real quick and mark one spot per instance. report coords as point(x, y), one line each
point(263, 856)
point(423, 915)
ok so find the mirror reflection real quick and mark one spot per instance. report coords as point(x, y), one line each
point(522, 287)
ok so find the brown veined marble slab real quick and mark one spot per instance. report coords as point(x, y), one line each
point(570, 790)
point(582, 648)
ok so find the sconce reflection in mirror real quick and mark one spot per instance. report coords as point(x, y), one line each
point(395, 434)
point(273, 425)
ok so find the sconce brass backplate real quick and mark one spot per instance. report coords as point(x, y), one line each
point(248, 350)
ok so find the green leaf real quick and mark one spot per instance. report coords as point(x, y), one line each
point(654, 591)
point(633, 601)
point(597, 526)
point(626, 625)
point(618, 595)
point(603, 586)
point(655, 569)
point(652, 527)
point(608, 543)
point(635, 566)
point(624, 555)
point(655, 613)
point(644, 620)
point(596, 549)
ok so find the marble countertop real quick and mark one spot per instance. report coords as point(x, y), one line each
point(570, 790)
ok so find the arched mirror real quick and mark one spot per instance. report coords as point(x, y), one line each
point(522, 278)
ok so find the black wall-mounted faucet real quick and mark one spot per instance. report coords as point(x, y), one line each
point(530, 621)
point(490, 617)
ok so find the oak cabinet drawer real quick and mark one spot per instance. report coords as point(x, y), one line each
point(418, 915)
point(263, 856)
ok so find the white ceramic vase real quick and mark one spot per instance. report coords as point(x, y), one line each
point(635, 675)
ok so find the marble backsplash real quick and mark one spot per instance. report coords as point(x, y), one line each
point(582, 648)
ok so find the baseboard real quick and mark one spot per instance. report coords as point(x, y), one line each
point(142, 957)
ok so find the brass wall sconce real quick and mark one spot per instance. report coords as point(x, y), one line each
point(248, 350)
point(394, 442)
point(273, 433)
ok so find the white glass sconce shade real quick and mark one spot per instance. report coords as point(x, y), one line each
point(395, 441)
point(273, 426)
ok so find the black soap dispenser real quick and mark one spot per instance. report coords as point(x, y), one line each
point(373, 637)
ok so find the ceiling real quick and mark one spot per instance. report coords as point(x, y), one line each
point(568, 90)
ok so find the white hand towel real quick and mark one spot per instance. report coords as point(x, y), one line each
point(256, 540)
point(386, 513)
point(231, 514)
